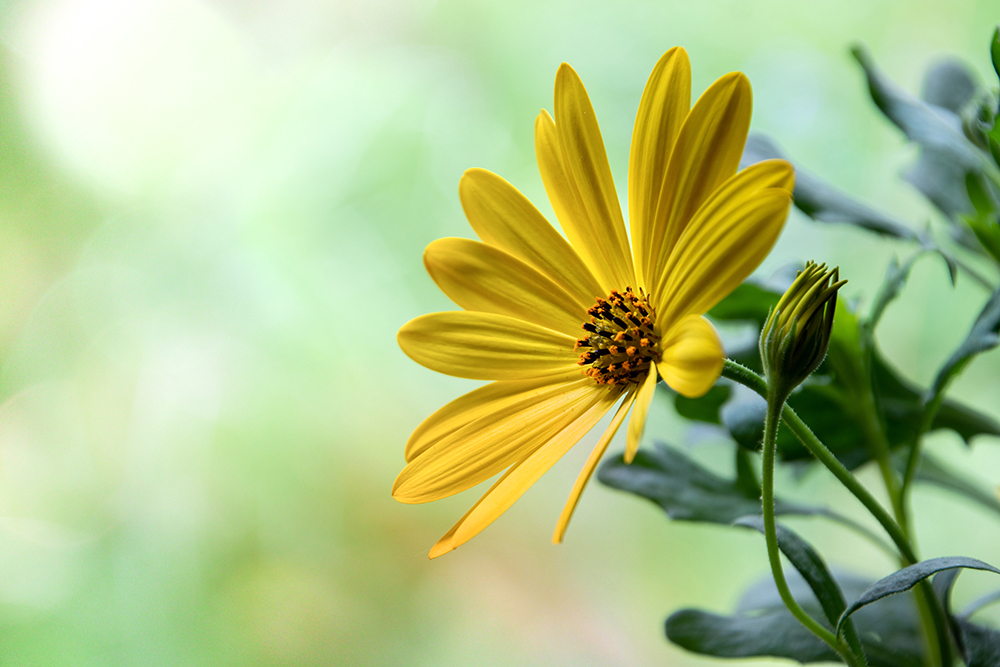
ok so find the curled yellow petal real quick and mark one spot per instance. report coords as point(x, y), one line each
point(692, 356)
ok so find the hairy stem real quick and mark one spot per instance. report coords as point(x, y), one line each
point(771, 420)
point(931, 610)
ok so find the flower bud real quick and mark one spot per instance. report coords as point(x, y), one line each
point(796, 335)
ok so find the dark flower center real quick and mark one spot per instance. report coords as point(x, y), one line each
point(620, 344)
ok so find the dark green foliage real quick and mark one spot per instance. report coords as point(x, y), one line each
point(908, 577)
point(828, 401)
point(983, 336)
point(762, 626)
point(919, 121)
point(685, 490)
point(815, 573)
point(856, 403)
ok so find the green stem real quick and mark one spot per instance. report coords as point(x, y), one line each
point(748, 378)
point(925, 598)
point(771, 420)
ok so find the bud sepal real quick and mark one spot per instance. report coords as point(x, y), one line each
point(796, 335)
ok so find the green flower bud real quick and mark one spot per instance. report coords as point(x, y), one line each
point(796, 336)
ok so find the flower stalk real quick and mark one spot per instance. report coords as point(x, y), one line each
point(746, 377)
point(853, 656)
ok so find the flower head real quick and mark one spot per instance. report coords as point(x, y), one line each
point(568, 327)
point(796, 335)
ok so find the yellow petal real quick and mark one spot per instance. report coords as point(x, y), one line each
point(664, 106)
point(520, 478)
point(589, 466)
point(482, 448)
point(577, 178)
point(707, 152)
point(727, 240)
point(444, 545)
point(484, 346)
point(484, 278)
point(637, 424)
point(478, 403)
point(503, 217)
point(692, 357)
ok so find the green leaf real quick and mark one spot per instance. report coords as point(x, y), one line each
point(942, 182)
point(771, 632)
point(947, 157)
point(907, 578)
point(687, 491)
point(812, 568)
point(892, 285)
point(978, 645)
point(824, 203)
point(984, 335)
point(919, 121)
point(949, 84)
point(762, 626)
point(827, 400)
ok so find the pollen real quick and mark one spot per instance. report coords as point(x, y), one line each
point(620, 344)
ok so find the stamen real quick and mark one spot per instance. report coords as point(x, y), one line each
point(621, 345)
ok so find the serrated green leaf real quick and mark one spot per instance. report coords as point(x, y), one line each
point(942, 181)
point(812, 568)
point(979, 646)
point(978, 196)
point(762, 626)
point(907, 578)
point(687, 491)
point(824, 203)
point(774, 632)
point(920, 122)
point(827, 401)
point(895, 277)
point(984, 335)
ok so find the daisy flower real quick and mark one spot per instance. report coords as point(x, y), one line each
point(568, 327)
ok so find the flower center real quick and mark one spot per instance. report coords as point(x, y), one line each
point(621, 344)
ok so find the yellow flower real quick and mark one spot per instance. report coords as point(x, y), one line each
point(698, 228)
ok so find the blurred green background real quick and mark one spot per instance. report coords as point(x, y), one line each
point(211, 223)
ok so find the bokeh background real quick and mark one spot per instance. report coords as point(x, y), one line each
point(211, 222)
